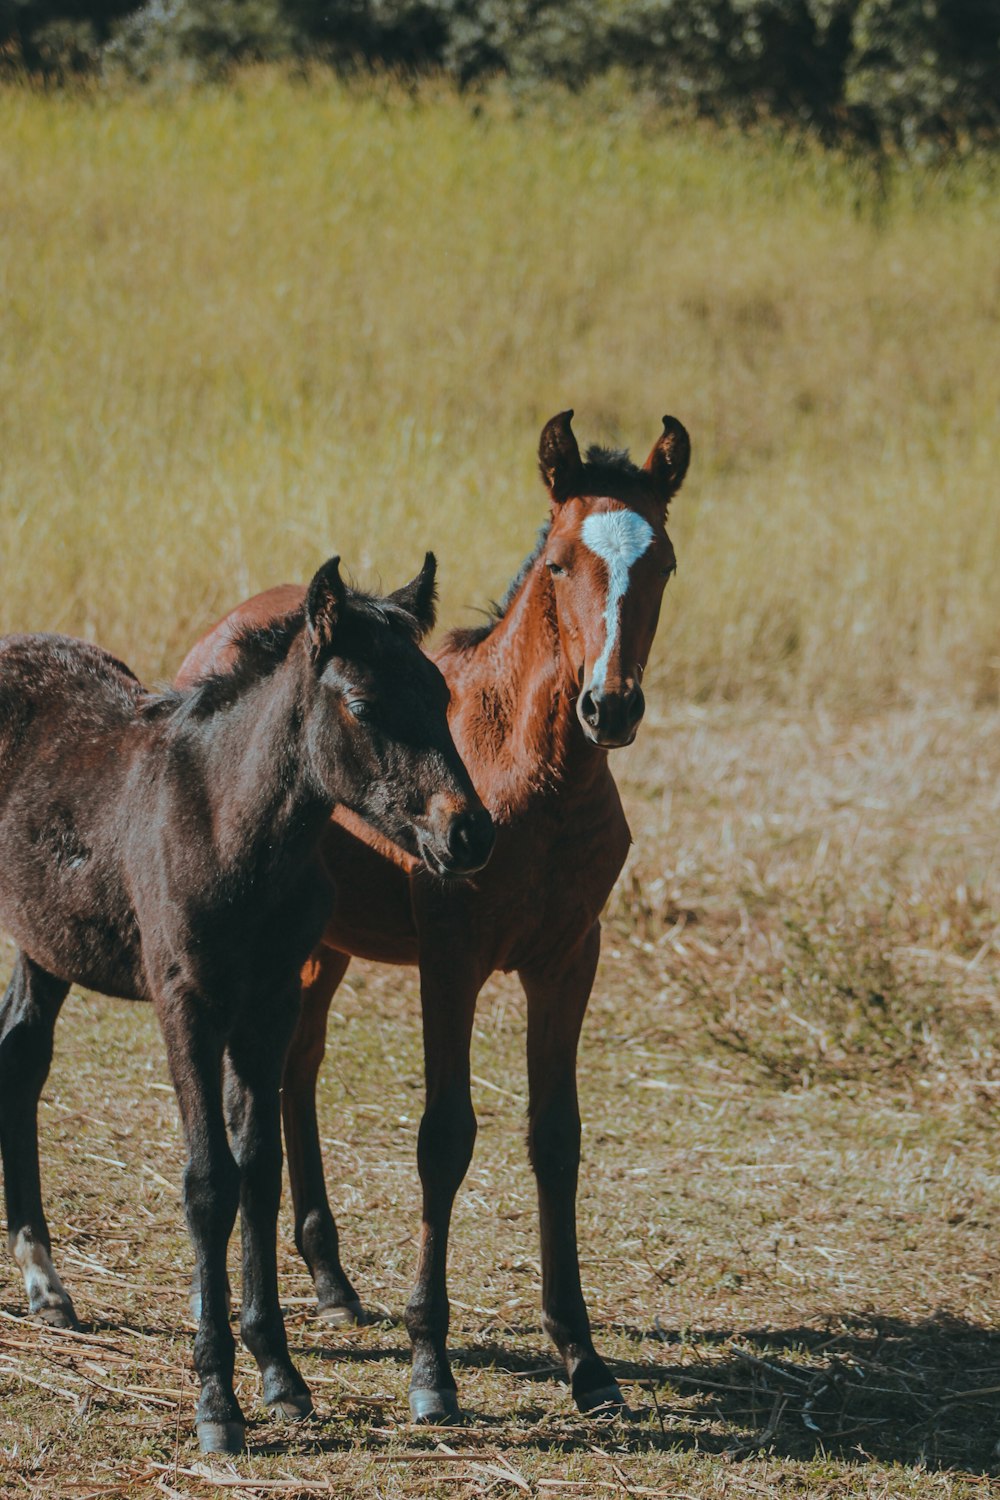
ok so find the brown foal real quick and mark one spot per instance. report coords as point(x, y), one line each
point(538, 697)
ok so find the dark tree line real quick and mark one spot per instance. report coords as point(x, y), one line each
point(900, 69)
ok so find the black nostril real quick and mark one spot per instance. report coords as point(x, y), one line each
point(471, 837)
point(457, 835)
point(635, 706)
point(486, 836)
point(589, 709)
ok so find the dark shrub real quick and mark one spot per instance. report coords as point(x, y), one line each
point(895, 69)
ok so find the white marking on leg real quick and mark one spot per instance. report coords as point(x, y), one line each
point(619, 538)
point(41, 1282)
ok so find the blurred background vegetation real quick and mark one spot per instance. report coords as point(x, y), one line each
point(249, 323)
point(282, 278)
point(903, 71)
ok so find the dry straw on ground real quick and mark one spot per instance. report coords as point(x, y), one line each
point(241, 328)
point(789, 1084)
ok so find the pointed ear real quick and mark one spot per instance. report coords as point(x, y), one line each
point(325, 602)
point(668, 462)
point(559, 457)
point(418, 598)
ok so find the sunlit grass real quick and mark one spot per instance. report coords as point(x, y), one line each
point(240, 329)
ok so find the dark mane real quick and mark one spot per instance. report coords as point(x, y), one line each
point(607, 471)
point(258, 650)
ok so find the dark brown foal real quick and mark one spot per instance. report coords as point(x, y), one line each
point(538, 697)
point(166, 848)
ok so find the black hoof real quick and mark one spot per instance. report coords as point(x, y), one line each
point(345, 1314)
point(221, 1437)
point(292, 1408)
point(57, 1315)
point(607, 1401)
point(436, 1408)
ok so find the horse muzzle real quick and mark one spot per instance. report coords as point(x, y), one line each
point(459, 845)
point(611, 719)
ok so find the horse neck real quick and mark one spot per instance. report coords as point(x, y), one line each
point(266, 808)
point(516, 725)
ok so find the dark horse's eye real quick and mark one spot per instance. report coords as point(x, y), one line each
point(360, 708)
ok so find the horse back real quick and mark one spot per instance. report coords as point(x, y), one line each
point(62, 703)
point(67, 709)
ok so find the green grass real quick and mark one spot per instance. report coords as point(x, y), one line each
point(242, 328)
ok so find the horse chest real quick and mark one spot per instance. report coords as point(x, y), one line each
point(568, 885)
point(545, 887)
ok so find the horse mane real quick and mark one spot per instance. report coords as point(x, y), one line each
point(463, 639)
point(607, 471)
point(258, 650)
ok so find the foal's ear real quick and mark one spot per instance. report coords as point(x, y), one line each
point(559, 457)
point(668, 462)
point(324, 607)
point(418, 598)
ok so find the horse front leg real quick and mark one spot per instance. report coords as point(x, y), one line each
point(444, 1150)
point(28, 1016)
point(211, 1197)
point(557, 1002)
point(254, 1060)
point(315, 1228)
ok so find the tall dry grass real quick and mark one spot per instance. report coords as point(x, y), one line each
point(242, 328)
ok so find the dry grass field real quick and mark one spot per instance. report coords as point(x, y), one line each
point(242, 328)
point(239, 329)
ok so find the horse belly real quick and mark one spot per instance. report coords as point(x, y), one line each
point(83, 948)
point(65, 709)
point(76, 923)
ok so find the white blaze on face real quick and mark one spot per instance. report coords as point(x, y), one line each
point(619, 538)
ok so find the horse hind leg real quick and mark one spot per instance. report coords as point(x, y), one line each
point(28, 1016)
point(315, 1227)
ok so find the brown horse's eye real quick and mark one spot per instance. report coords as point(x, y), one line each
point(360, 708)
point(556, 569)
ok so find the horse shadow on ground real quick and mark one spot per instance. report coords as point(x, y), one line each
point(868, 1388)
